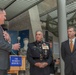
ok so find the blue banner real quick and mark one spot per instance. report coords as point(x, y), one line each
point(23, 34)
point(15, 61)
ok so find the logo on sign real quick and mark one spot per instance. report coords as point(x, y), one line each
point(15, 61)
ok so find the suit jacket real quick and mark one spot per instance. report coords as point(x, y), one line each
point(33, 56)
point(5, 48)
point(68, 57)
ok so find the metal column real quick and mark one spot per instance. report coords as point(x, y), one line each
point(62, 27)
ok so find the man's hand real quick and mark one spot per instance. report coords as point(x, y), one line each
point(41, 65)
point(6, 36)
point(57, 62)
point(16, 46)
point(37, 64)
point(44, 64)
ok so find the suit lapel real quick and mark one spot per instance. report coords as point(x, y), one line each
point(74, 45)
point(68, 46)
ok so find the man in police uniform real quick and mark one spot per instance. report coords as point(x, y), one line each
point(39, 55)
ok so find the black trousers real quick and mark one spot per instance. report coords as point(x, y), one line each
point(71, 73)
point(3, 72)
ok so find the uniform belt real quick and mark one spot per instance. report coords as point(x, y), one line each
point(39, 58)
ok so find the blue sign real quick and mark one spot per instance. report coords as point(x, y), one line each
point(15, 61)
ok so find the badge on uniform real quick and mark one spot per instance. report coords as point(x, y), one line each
point(45, 46)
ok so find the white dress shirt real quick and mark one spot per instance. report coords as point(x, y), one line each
point(72, 40)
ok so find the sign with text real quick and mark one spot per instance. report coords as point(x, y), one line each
point(15, 61)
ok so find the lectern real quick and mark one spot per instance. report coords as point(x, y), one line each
point(17, 63)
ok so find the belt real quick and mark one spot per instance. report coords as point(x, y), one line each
point(39, 58)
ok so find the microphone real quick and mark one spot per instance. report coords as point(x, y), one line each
point(18, 39)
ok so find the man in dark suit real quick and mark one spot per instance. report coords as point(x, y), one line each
point(5, 45)
point(39, 55)
point(68, 52)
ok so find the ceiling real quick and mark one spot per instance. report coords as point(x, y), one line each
point(50, 16)
point(16, 7)
point(47, 11)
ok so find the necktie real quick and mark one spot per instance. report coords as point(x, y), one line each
point(71, 45)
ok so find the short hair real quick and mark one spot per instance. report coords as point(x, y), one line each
point(38, 31)
point(1, 9)
point(72, 27)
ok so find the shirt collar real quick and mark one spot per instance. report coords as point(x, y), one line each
point(72, 40)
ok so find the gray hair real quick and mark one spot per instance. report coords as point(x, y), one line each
point(38, 31)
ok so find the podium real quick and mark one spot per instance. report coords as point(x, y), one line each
point(16, 68)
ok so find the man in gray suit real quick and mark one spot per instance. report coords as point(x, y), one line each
point(68, 52)
point(5, 45)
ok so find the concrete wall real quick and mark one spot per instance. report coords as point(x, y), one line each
point(22, 22)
